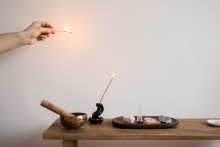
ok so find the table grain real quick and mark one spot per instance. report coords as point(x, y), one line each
point(188, 129)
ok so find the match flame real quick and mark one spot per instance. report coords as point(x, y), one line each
point(112, 75)
point(67, 30)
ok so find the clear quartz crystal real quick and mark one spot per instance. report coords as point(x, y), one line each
point(139, 117)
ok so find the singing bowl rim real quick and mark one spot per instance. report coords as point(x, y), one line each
point(75, 114)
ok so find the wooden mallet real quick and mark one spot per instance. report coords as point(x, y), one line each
point(55, 108)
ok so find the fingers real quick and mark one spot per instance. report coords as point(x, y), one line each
point(45, 27)
point(45, 24)
point(45, 34)
point(41, 38)
point(47, 30)
point(39, 31)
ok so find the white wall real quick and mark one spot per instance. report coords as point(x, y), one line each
point(164, 54)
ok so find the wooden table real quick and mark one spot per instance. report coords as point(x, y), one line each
point(188, 129)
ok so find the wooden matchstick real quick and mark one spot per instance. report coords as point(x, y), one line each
point(107, 87)
point(62, 31)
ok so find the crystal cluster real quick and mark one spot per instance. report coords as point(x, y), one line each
point(165, 119)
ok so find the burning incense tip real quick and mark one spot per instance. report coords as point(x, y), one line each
point(107, 88)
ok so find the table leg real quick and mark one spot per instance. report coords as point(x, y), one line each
point(70, 143)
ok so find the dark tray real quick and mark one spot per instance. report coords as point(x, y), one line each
point(118, 122)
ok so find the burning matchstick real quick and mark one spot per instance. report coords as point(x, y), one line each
point(107, 88)
point(64, 30)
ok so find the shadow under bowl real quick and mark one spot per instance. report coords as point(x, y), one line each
point(74, 122)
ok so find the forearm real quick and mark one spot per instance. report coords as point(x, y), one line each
point(11, 41)
point(37, 31)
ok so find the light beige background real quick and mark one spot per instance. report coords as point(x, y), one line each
point(164, 54)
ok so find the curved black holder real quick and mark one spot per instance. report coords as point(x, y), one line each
point(95, 119)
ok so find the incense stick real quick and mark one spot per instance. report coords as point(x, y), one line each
point(62, 31)
point(107, 88)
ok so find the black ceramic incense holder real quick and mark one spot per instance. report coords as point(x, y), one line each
point(95, 119)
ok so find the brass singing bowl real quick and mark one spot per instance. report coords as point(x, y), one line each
point(74, 122)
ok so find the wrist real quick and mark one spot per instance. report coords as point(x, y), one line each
point(25, 40)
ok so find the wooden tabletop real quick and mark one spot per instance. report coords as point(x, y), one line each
point(188, 129)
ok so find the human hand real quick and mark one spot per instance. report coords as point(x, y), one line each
point(38, 31)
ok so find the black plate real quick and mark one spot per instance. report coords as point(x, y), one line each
point(118, 122)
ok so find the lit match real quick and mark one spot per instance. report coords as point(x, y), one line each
point(107, 88)
point(64, 30)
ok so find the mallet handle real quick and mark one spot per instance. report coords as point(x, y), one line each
point(55, 108)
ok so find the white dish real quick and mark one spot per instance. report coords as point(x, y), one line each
point(214, 122)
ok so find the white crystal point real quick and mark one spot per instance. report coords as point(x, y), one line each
point(139, 117)
point(128, 118)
